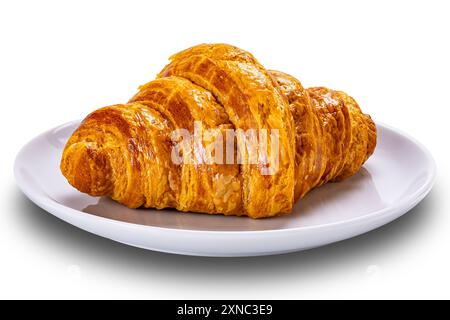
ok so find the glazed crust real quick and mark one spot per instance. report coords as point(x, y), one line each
point(125, 151)
point(333, 137)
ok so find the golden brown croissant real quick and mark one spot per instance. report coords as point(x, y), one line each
point(126, 151)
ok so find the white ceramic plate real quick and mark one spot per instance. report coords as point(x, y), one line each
point(399, 175)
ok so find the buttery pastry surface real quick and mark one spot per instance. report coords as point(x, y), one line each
point(124, 151)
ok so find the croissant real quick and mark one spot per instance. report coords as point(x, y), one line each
point(126, 151)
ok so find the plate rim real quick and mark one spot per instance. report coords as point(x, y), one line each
point(45, 202)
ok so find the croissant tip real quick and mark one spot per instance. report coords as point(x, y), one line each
point(86, 169)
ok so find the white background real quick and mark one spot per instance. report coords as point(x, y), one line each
point(60, 60)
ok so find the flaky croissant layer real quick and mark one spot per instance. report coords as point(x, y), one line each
point(125, 151)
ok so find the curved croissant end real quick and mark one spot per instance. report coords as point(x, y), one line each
point(333, 137)
point(87, 168)
point(102, 157)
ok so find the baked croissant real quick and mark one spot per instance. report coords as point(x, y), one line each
point(126, 151)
